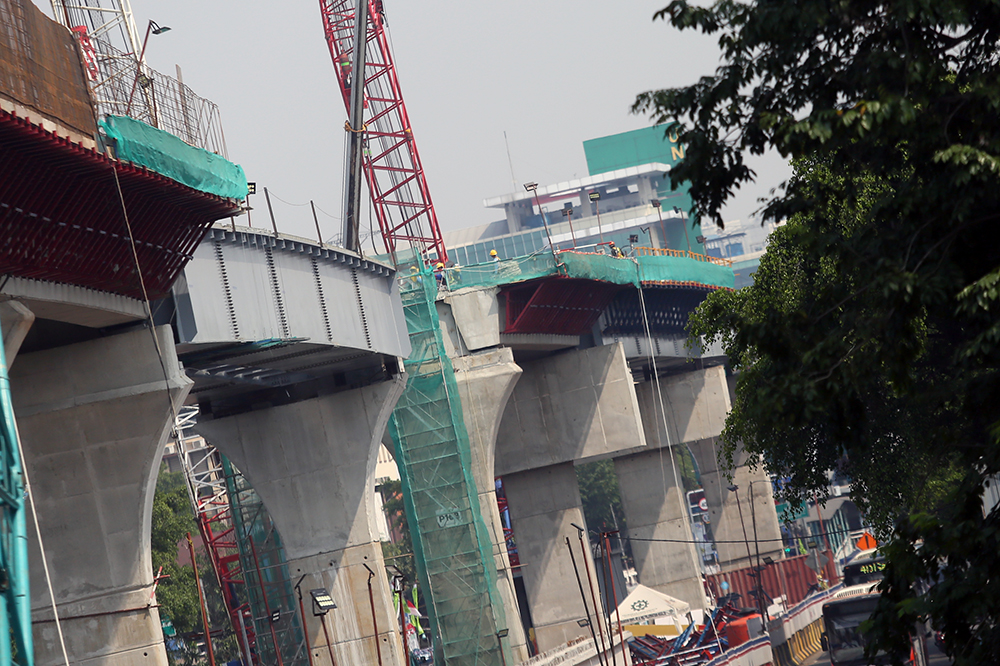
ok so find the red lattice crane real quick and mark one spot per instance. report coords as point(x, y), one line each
point(393, 171)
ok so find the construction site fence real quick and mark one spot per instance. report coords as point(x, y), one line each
point(122, 86)
point(790, 578)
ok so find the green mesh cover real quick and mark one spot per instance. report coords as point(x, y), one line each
point(496, 273)
point(167, 155)
point(267, 580)
point(451, 546)
point(685, 269)
point(601, 267)
point(592, 266)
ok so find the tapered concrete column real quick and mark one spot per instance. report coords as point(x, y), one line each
point(485, 382)
point(93, 418)
point(572, 406)
point(659, 526)
point(543, 505)
point(313, 465)
point(754, 498)
point(678, 410)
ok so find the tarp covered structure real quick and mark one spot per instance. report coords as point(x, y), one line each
point(644, 603)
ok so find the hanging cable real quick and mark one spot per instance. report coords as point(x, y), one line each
point(656, 379)
point(41, 544)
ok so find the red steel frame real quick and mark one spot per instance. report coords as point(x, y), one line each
point(393, 170)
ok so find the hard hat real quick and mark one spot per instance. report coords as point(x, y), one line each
point(439, 265)
point(493, 253)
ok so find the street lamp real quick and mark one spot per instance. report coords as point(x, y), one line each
point(663, 230)
point(684, 220)
point(568, 214)
point(156, 29)
point(501, 634)
point(533, 188)
point(595, 196)
point(322, 602)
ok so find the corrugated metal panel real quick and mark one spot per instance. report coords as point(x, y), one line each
point(249, 286)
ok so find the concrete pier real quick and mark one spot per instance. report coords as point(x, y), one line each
point(571, 407)
point(313, 464)
point(544, 504)
point(93, 419)
point(485, 382)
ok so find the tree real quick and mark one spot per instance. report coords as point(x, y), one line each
point(172, 520)
point(600, 495)
point(869, 340)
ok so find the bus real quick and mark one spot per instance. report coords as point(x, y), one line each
point(852, 605)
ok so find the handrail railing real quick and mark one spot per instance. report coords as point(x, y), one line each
point(667, 252)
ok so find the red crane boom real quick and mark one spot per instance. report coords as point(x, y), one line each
point(392, 166)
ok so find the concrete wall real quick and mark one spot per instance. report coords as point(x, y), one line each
point(573, 406)
point(93, 419)
point(313, 465)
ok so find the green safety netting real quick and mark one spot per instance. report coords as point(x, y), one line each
point(601, 267)
point(497, 273)
point(452, 548)
point(169, 156)
point(266, 576)
point(590, 266)
point(665, 268)
point(15, 598)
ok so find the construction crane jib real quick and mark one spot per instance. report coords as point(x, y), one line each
point(393, 172)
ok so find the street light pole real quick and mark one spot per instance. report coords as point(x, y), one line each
point(595, 196)
point(568, 214)
point(533, 188)
point(736, 489)
point(684, 221)
point(663, 230)
point(157, 30)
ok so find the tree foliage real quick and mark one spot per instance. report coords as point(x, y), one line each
point(172, 521)
point(869, 340)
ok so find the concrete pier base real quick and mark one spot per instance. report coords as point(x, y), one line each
point(754, 497)
point(659, 525)
point(544, 504)
point(313, 465)
point(485, 382)
point(93, 418)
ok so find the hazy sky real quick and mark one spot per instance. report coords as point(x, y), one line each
point(551, 74)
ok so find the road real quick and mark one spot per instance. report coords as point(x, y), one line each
point(936, 658)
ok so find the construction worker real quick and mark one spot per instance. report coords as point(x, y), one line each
point(616, 251)
point(496, 261)
point(439, 273)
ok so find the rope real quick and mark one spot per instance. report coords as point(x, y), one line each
point(41, 545)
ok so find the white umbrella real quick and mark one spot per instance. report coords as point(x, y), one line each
point(645, 603)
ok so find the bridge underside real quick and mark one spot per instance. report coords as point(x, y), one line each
point(63, 213)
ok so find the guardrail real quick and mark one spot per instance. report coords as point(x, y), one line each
point(667, 252)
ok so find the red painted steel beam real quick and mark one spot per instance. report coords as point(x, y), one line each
point(61, 216)
point(557, 305)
